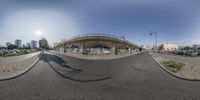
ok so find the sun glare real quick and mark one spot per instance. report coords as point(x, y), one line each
point(39, 32)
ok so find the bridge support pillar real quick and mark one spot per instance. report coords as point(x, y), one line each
point(82, 48)
point(129, 50)
point(113, 50)
point(65, 47)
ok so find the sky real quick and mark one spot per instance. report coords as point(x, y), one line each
point(175, 21)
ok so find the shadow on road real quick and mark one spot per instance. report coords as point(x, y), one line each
point(64, 69)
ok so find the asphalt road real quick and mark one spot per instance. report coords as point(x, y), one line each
point(144, 80)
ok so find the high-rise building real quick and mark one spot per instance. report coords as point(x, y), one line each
point(8, 44)
point(33, 44)
point(18, 43)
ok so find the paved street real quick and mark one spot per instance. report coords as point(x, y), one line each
point(144, 80)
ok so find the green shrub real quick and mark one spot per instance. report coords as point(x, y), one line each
point(173, 64)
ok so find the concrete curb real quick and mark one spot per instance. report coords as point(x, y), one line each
point(24, 71)
point(177, 75)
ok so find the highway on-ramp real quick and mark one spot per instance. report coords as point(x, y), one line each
point(144, 80)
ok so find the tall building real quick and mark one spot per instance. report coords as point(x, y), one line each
point(18, 43)
point(8, 44)
point(33, 44)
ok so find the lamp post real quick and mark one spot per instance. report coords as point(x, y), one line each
point(63, 41)
point(151, 33)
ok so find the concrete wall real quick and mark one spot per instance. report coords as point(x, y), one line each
point(113, 45)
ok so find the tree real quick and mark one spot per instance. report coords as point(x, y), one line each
point(43, 43)
point(12, 46)
point(186, 48)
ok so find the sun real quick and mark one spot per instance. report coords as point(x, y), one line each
point(39, 32)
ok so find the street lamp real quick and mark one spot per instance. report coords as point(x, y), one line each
point(63, 41)
point(151, 33)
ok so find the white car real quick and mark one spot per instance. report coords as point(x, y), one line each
point(11, 52)
point(106, 52)
point(1, 53)
point(17, 51)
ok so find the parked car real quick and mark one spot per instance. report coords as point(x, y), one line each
point(11, 52)
point(106, 51)
point(190, 52)
point(198, 52)
point(17, 51)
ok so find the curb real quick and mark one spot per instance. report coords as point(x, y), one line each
point(174, 74)
point(24, 71)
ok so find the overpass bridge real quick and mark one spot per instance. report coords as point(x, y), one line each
point(97, 43)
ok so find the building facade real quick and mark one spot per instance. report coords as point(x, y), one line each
point(18, 43)
point(33, 44)
point(168, 47)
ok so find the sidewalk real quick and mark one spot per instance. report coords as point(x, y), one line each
point(17, 68)
point(12, 59)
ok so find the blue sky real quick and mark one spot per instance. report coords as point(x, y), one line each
point(176, 21)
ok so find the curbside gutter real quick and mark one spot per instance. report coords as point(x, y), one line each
point(177, 75)
point(20, 73)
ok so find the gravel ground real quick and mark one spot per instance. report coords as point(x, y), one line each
point(192, 64)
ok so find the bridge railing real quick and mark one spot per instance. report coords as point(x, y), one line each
point(98, 35)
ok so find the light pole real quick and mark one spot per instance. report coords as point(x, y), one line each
point(63, 41)
point(151, 33)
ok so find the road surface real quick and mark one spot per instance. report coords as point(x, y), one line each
point(145, 82)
